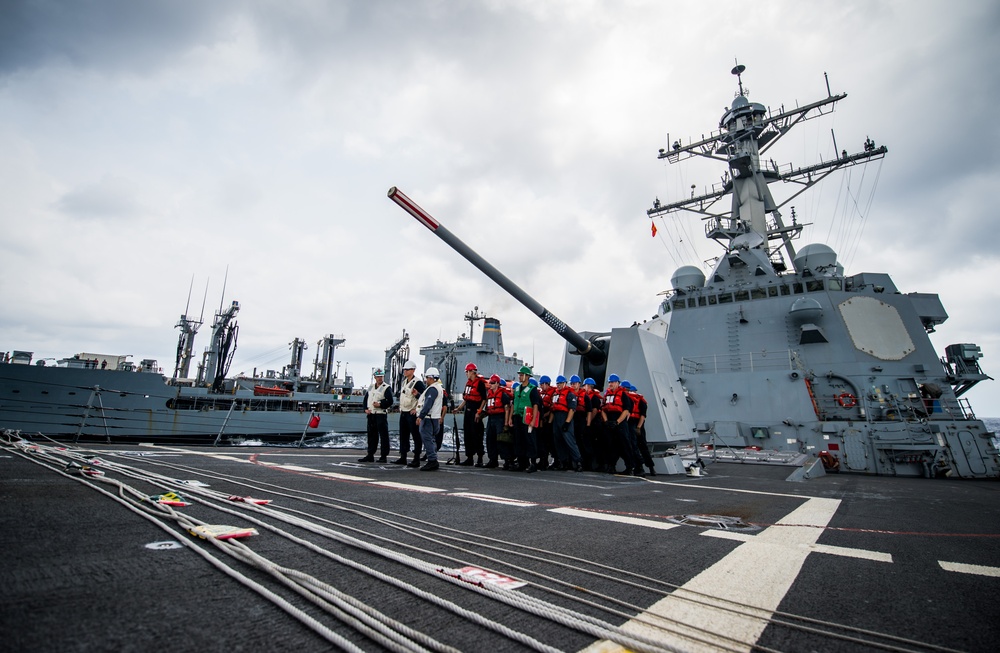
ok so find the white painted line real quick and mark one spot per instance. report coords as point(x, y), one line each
point(962, 568)
point(621, 519)
point(750, 575)
point(296, 468)
point(842, 551)
point(346, 477)
point(492, 499)
point(404, 486)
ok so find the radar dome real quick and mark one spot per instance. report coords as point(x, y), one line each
point(805, 309)
point(814, 257)
point(687, 276)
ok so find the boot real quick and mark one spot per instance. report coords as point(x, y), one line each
point(429, 466)
point(400, 461)
point(652, 470)
point(492, 464)
point(467, 462)
point(383, 459)
point(415, 463)
point(479, 460)
point(367, 459)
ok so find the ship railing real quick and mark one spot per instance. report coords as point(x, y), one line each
point(892, 408)
point(742, 362)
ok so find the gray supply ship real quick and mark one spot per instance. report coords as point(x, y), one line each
point(94, 396)
point(777, 354)
point(488, 356)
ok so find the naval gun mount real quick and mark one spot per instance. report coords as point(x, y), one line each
point(639, 352)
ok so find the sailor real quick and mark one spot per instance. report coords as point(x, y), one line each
point(614, 413)
point(472, 418)
point(496, 407)
point(409, 391)
point(637, 422)
point(527, 404)
point(544, 439)
point(582, 432)
point(563, 408)
point(377, 400)
point(430, 407)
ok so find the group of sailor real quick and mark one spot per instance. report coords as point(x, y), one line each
point(531, 424)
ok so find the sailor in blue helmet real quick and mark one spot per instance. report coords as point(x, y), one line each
point(637, 422)
point(544, 439)
point(581, 422)
point(563, 410)
point(527, 404)
point(615, 411)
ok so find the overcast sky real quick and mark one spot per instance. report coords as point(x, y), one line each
point(146, 143)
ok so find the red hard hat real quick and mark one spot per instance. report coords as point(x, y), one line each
point(471, 366)
point(495, 378)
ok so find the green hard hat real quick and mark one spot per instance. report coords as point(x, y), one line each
point(524, 370)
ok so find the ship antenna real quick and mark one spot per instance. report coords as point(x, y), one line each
point(187, 307)
point(204, 300)
point(225, 280)
point(738, 71)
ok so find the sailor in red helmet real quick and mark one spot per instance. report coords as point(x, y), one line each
point(497, 407)
point(472, 420)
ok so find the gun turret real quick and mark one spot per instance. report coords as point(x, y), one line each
point(593, 351)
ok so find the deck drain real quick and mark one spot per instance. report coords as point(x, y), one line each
point(165, 545)
point(718, 522)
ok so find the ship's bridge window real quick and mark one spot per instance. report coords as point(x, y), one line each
point(772, 291)
point(814, 285)
point(679, 304)
point(712, 300)
point(834, 284)
point(692, 302)
point(742, 296)
point(785, 290)
point(758, 293)
point(702, 301)
point(797, 288)
point(664, 308)
point(725, 298)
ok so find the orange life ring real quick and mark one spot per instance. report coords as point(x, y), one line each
point(847, 400)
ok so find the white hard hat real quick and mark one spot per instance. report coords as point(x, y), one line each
point(409, 365)
point(433, 371)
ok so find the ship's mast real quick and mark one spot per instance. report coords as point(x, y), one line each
point(472, 317)
point(746, 131)
point(185, 342)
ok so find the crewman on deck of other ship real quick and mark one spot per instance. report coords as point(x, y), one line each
point(472, 419)
point(377, 400)
point(409, 392)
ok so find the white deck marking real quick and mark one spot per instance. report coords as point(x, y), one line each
point(404, 486)
point(751, 575)
point(621, 519)
point(492, 499)
point(962, 568)
point(842, 551)
point(296, 468)
point(346, 477)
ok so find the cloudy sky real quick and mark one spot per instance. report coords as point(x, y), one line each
point(143, 144)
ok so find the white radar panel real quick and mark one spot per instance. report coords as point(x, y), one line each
point(876, 328)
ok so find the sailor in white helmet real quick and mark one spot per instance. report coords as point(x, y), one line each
point(377, 401)
point(409, 392)
point(429, 407)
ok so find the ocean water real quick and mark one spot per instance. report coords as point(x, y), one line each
point(334, 440)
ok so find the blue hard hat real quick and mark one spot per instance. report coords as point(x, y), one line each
point(544, 379)
point(574, 379)
point(634, 389)
point(503, 383)
point(589, 381)
point(613, 378)
point(533, 382)
point(627, 384)
point(560, 379)
point(516, 384)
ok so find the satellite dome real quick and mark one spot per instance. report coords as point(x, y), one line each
point(814, 257)
point(805, 309)
point(687, 276)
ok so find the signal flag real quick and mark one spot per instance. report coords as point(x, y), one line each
point(653, 228)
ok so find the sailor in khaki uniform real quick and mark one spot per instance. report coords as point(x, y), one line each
point(377, 401)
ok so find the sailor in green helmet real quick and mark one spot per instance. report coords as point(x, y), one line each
point(527, 405)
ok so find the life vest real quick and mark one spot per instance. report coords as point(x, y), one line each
point(471, 393)
point(494, 402)
point(581, 401)
point(407, 401)
point(375, 397)
point(636, 401)
point(435, 411)
point(559, 399)
point(613, 401)
point(522, 399)
point(547, 397)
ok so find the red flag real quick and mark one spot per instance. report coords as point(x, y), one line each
point(653, 226)
point(314, 421)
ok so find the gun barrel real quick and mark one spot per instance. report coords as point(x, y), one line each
point(583, 346)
